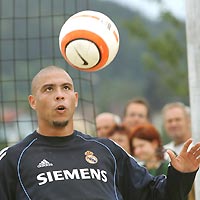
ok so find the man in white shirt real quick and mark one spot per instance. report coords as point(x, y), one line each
point(177, 124)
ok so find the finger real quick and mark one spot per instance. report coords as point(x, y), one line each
point(197, 152)
point(186, 145)
point(171, 155)
point(198, 160)
point(195, 148)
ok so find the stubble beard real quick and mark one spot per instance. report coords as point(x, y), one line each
point(58, 124)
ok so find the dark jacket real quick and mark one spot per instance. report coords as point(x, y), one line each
point(81, 167)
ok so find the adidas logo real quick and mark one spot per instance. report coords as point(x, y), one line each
point(44, 163)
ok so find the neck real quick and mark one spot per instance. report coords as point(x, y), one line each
point(54, 131)
point(152, 164)
point(179, 141)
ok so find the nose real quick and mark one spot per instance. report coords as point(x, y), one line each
point(173, 123)
point(59, 96)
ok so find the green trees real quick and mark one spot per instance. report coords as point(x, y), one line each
point(164, 57)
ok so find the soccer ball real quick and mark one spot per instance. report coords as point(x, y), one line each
point(89, 40)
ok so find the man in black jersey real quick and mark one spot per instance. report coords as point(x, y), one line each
point(58, 162)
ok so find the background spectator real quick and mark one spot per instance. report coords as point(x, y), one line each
point(177, 125)
point(147, 147)
point(105, 123)
point(120, 136)
point(137, 111)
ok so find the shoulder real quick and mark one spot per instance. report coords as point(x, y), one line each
point(111, 146)
point(87, 137)
point(14, 151)
point(169, 145)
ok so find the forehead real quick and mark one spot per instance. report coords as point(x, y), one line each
point(140, 141)
point(106, 119)
point(174, 112)
point(55, 77)
point(136, 107)
point(105, 123)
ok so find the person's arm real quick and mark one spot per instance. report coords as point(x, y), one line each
point(179, 184)
point(134, 181)
point(187, 164)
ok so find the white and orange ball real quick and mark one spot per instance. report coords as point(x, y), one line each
point(89, 40)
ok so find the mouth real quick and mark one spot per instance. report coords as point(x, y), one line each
point(60, 108)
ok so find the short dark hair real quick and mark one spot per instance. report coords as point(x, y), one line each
point(138, 100)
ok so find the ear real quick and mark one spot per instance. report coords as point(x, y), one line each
point(76, 96)
point(32, 101)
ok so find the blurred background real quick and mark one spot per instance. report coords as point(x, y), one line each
point(151, 61)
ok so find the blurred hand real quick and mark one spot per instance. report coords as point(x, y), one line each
point(186, 161)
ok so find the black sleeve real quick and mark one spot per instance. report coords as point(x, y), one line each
point(135, 182)
point(179, 184)
point(7, 179)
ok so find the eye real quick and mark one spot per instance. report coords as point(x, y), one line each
point(66, 87)
point(141, 116)
point(48, 89)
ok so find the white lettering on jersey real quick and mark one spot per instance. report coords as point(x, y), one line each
point(71, 175)
point(95, 174)
point(58, 175)
point(50, 178)
point(75, 174)
point(85, 174)
point(41, 177)
point(104, 177)
point(98, 174)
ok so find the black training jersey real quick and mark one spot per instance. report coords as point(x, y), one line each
point(81, 167)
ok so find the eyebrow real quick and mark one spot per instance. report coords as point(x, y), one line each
point(51, 85)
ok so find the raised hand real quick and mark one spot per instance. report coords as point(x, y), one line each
point(188, 160)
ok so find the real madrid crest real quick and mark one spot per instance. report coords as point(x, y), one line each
point(90, 157)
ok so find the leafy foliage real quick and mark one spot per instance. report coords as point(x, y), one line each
point(165, 51)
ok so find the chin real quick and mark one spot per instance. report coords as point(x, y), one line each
point(60, 124)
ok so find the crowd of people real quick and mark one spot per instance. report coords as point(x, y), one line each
point(139, 137)
point(58, 162)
